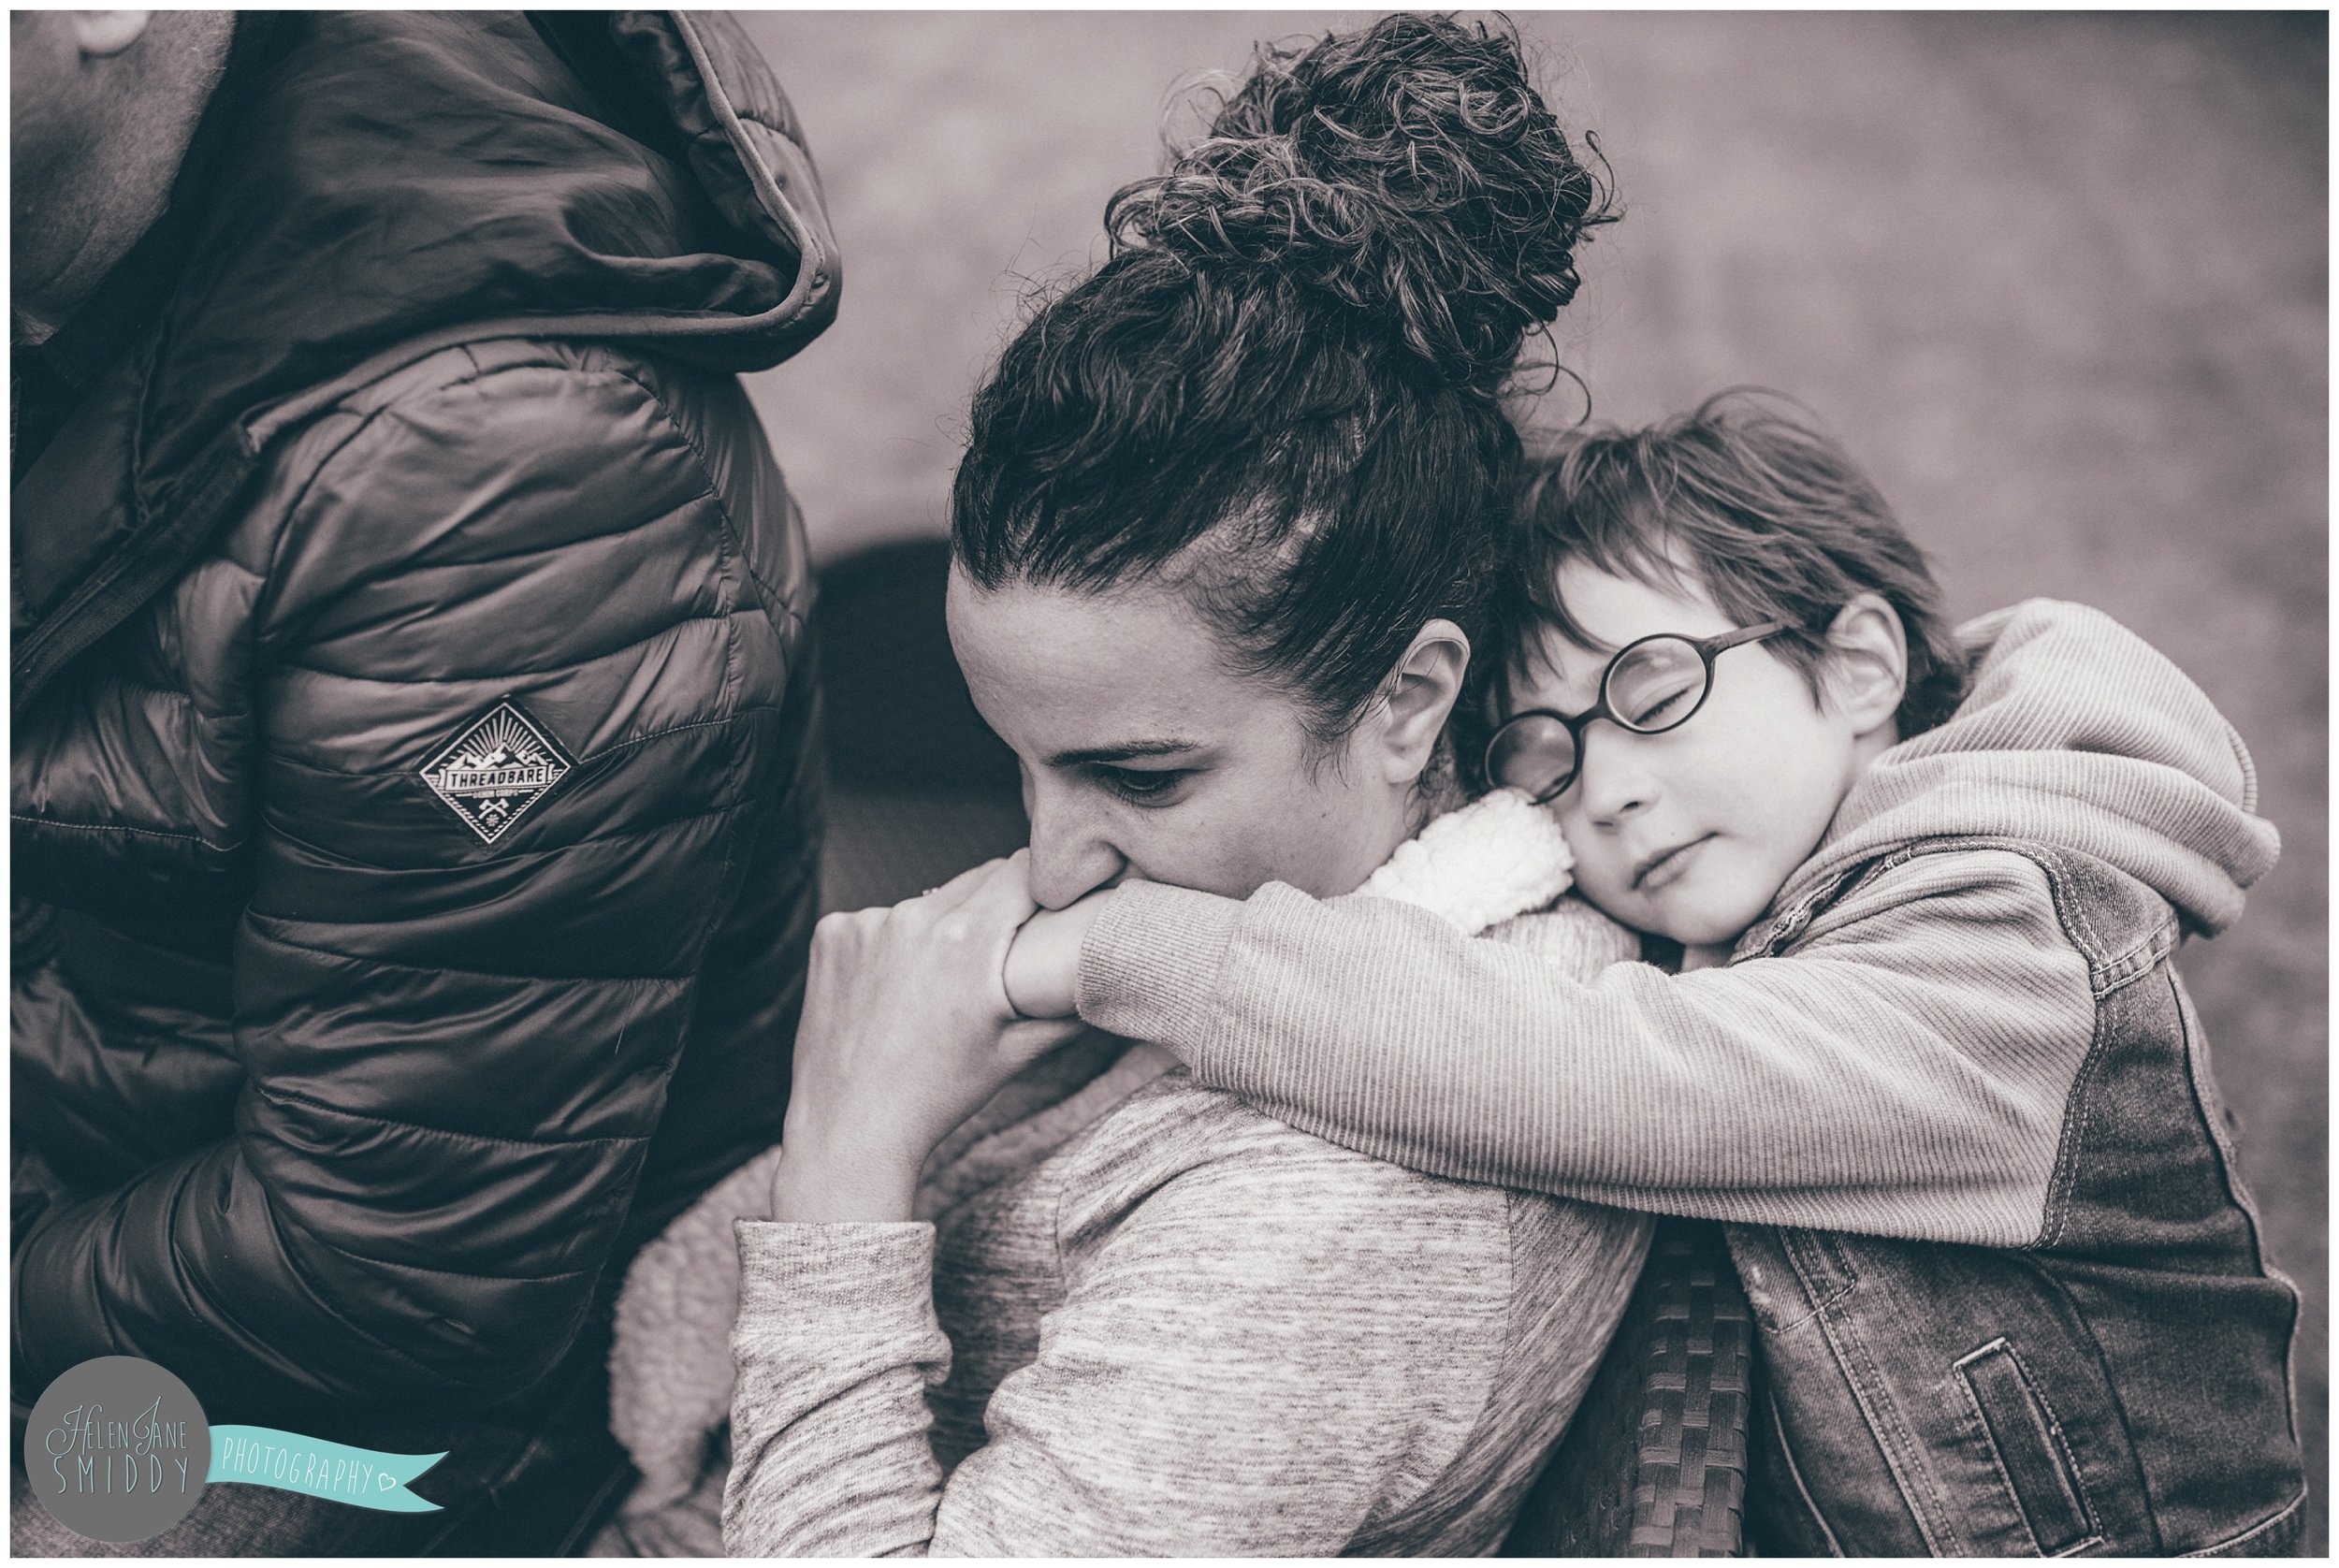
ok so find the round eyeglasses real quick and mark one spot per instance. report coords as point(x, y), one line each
point(1652, 685)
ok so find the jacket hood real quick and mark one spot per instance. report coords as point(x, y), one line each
point(368, 187)
point(2076, 732)
point(391, 175)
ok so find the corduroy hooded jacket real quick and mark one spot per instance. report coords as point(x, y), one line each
point(414, 769)
point(1949, 1096)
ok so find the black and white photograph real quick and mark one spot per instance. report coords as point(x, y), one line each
point(1196, 783)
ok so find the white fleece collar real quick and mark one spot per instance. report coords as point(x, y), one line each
point(1499, 856)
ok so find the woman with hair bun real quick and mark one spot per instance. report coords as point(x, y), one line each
point(1223, 538)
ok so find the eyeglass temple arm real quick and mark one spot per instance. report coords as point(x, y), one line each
point(1746, 634)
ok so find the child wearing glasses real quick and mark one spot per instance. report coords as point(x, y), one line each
point(1924, 1049)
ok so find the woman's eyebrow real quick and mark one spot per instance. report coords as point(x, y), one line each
point(1121, 753)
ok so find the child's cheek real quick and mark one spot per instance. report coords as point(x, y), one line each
point(1607, 888)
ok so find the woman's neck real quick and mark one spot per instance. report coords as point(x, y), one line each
point(1437, 791)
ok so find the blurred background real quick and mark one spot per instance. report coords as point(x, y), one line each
point(2059, 281)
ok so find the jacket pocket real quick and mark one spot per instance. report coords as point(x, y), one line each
point(2030, 1450)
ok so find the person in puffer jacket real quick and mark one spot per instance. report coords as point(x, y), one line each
point(415, 749)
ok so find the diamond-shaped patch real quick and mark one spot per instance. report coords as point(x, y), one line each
point(501, 764)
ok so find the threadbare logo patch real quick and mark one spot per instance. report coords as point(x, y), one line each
point(501, 765)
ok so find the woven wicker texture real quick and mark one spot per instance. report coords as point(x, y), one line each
point(1654, 1463)
point(1688, 1488)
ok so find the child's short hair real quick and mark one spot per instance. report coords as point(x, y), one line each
point(1770, 517)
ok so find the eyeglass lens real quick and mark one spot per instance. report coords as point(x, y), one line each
point(1535, 753)
point(1652, 686)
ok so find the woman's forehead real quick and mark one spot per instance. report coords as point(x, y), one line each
point(1066, 669)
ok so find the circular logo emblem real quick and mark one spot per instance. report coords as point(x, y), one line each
point(117, 1449)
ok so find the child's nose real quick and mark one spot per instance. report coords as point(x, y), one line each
point(1612, 781)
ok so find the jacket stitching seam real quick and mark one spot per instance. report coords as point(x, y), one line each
point(2048, 1280)
point(293, 1097)
point(1889, 1435)
point(507, 558)
point(1794, 1473)
point(367, 418)
point(453, 1273)
point(725, 546)
point(2094, 1535)
point(2079, 1110)
point(281, 1221)
point(706, 471)
point(229, 848)
point(299, 498)
point(283, 759)
point(2105, 974)
point(716, 909)
point(273, 1207)
point(129, 682)
point(724, 616)
point(1794, 1243)
point(484, 974)
point(735, 715)
point(550, 362)
point(2229, 1172)
point(2077, 1116)
point(2137, 962)
point(589, 841)
point(2279, 1516)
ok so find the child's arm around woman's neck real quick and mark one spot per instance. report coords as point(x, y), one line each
point(1901, 1070)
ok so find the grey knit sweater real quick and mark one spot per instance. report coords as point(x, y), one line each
point(1187, 1330)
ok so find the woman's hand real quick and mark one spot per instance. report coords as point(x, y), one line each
point(1044, 966)
point(906, 1030)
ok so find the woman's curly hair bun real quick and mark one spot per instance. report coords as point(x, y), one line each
point(1409, 170)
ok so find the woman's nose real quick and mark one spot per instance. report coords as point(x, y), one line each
point(1069, 855)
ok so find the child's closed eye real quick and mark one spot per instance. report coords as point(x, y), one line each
point(1655, 711)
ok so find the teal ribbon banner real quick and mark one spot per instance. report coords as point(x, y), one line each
point(264, 1457)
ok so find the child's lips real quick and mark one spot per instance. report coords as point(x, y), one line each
point(1666, 865)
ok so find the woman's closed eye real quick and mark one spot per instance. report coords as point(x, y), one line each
point(1140, 786)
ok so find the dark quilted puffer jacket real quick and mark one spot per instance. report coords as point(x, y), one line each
point(414, 769)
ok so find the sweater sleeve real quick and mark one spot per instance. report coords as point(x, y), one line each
point(1903, 1072)
point(1260, 1357)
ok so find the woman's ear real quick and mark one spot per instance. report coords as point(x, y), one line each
point(1868, 664)
point(1415, 700)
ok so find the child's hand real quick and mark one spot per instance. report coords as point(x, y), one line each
point(1044, 966)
